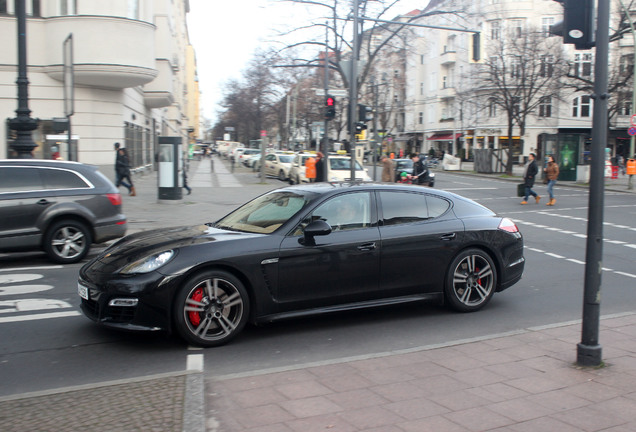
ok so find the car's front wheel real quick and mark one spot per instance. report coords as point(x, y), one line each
point(212, 308)
point(471, 281)
point(281, 175)
point(67, 241)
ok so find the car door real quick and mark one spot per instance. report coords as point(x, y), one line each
point(339, 267)
point(23, 199)
point(270, 164)
point(420, 235)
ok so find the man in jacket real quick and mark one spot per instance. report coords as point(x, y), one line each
point(529, 174)
point(420, 171)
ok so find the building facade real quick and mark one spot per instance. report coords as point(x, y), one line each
point(129, 62)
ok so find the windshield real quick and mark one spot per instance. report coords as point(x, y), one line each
point(286, 158)
point(265, 213)
point(404, 164)
point(338, 164)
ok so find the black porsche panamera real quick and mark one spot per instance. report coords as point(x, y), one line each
point(304, 249)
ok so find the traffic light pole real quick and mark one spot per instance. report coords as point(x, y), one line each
point(632, 138)
point(353, 92)
point(325, 140)
point(589, 350)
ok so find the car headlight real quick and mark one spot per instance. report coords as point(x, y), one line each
point(149, 263)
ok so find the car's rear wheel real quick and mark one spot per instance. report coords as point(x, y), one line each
point(67, 241)
point(212, 308)
point(471, 281)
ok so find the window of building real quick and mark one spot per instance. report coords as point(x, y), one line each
point(545, 107)
point(421, 88)
point(516, 27)
point(432, 84)
point(420, 119)
point(68, 7)
point(625, 103)
point(445, 82)
point(626, 66)
point(492, 108)
point(547, 66)
point(396, 73)
point(422, 59)
point(495, 30)
point(583, 65)
point(546, 23)
point(32, 7)
point(581, 106)
point(516, 105)
point(515, 67)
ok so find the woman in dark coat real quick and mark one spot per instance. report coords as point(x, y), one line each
point(122, 166)
point(529, 174)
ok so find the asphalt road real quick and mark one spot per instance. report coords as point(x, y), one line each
point(40, 352)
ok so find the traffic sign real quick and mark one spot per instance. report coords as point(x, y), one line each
point(332, 92)
point(631, 130)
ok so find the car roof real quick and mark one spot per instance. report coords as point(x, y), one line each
point(330, 188)
point(49, 163)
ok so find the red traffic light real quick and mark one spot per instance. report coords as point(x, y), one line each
point(330, 101)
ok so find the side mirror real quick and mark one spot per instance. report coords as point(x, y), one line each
point(315, 228)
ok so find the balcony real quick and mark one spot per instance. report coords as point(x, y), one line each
point(109, 52)
point(160, 92)
point(448, 58)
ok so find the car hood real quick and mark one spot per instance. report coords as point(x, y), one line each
point(139, 245)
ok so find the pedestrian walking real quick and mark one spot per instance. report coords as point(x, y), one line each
point(117, 146)
point(185, 180)
point(387, 169)
point(621, 164)
point(529, 174)
point(420, 171)
point(320, 167)
point(552, 174)
point(122, 167)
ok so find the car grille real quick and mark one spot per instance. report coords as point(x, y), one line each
point(114, 314)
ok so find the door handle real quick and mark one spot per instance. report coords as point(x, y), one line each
point(366, 246)
point(43, 201)
point(447, 237)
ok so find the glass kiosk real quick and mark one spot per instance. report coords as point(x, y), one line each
point(169, 166)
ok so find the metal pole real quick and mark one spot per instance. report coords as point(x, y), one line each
point(589, 350)
point(353, 92)
point(375, 130)
point(23, 124)
point(325, 142)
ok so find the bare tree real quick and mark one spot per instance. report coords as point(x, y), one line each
point(520, 73)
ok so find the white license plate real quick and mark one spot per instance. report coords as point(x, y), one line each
point(82, 291)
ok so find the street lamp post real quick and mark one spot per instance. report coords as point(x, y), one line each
point(23, 124)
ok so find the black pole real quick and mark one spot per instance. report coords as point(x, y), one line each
point(353, 92)
point(589, 350)
point(23, 124)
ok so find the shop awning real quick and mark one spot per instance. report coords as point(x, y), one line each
point(443, 137)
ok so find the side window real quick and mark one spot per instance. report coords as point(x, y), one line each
point(62, 179)
point(346, 212)
point(270, 157)
point(401, 208)
point(20, 179)
point(436, 206)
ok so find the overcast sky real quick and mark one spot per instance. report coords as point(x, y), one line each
point(225, 35)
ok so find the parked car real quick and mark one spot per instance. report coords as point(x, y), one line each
point(278, 165)
point(58, 207)
point(304, 249)
point(340, 169)
point(247, 153)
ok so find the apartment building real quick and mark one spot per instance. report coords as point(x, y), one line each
point(447, 110)
point(129, 61)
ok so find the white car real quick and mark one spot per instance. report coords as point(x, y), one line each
point(278, 165)
point(245, 155)
point(340, 169)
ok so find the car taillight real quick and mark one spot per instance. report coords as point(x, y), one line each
point(508, 225)
point(114, 198)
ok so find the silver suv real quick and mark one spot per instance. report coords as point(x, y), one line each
point(58, 207)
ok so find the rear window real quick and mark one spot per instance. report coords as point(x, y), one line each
point(63, 179)
point(402, 207)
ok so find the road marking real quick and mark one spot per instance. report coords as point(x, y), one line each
point(34, 317)
point(23, 289)
point(575, 261)
point(23, 305)
point(52, 267)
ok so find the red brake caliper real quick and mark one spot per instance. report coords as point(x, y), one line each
point(195, 318)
